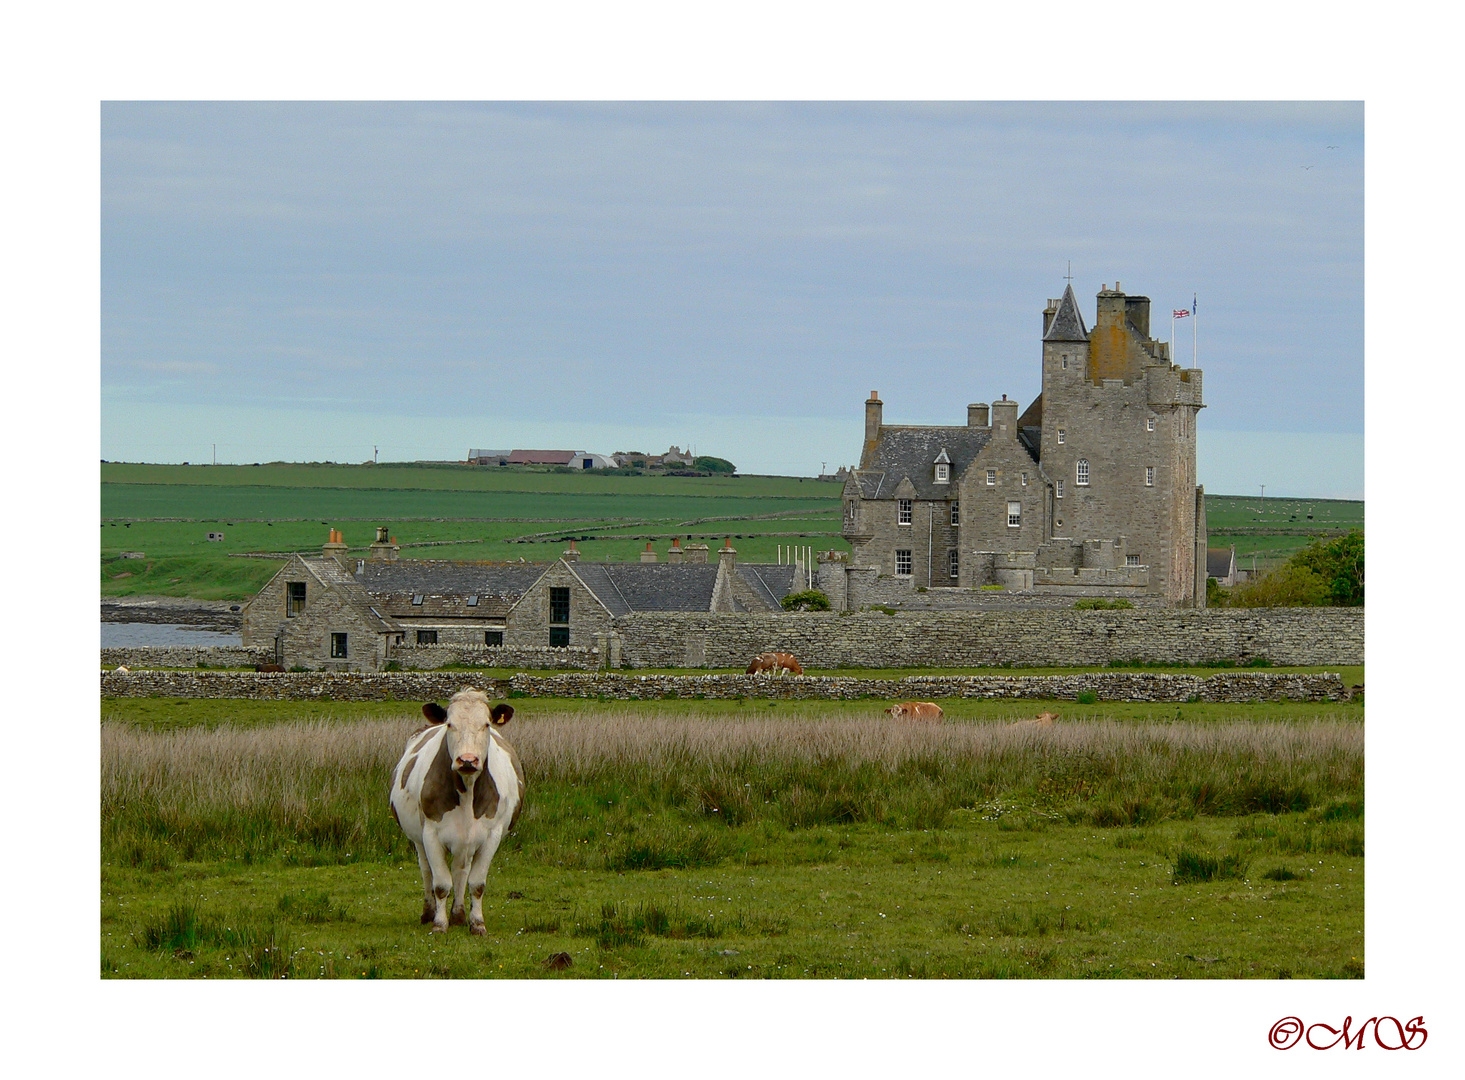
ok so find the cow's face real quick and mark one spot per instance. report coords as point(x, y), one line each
point(895, 710)
point(467, 719)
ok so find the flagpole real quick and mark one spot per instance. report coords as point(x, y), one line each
point(1195, 332)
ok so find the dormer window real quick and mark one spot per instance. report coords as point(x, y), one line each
point(943, 468)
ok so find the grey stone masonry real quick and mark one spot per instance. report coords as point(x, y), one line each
point(417, 686)
point(186, 656)
point(1063, 638)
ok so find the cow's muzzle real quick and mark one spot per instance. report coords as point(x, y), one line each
point(467, 764)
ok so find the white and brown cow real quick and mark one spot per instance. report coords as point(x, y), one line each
point(916, 710)
point(456, 792)
point(774, 663)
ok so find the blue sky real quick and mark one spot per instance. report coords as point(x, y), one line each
point(313, 281)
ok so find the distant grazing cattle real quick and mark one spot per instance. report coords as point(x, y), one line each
point(268, 667)
point(774, 663)
point(456, 793)
point(1041, 720)
point(916, 710)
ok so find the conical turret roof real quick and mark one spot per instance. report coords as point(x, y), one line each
point(1067, 324)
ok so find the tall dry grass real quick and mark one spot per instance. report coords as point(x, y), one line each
point(316, 791)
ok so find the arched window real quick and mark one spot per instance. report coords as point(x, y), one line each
point(1082, 478)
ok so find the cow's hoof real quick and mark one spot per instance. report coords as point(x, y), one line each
point(478, 929)
point(458, 917)
point(439, 928)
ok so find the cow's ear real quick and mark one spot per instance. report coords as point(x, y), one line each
point(434, 712)
point(501, 714)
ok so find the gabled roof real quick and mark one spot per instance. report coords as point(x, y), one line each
point(329, 572)
point(1067, 324)
point(627, 587)
point(907, 453)
point(541, 457)
point(770, 583)
point(1220, 562)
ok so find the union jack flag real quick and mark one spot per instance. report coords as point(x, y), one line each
point(1179, 313)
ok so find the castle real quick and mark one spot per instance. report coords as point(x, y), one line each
point(1091, 491)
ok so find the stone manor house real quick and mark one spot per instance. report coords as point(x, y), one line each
point(1090, 491)
point(336, 613)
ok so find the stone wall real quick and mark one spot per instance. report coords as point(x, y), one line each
point(1063, 638)
point(432, 657)
point(439, 686)
point(186, 656)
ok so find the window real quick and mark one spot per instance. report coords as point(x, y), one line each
point(559, 605)
point(338, 646)
point(473, 600)
point(954, 558)
point(1131, 560)
point(1149, 476)
point(902, 511)
point(902, 560)
point(493, 637)
point(294, 597)
point(417, 599)
point(1082, 478)
point(956, 513)
point(559, 637)
point(991, 477)
point(427, 637)
point(851, 514)
point(943, 474)
point(1062, 436)
point(1065, 363)
point(1058, 491)
point(1024, 479)
point(1150, 423)
point(1014, 515)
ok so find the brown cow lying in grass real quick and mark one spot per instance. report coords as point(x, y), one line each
point(916, 710)
point(775, 663)
point(1041, 720)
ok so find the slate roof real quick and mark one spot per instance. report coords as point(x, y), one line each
point(911, 452)
point(329, 571)
point(445, 587)
point(771, 583)
point(1219, 562)
point(542, 457)
point(1067, 324)
point(627, 587)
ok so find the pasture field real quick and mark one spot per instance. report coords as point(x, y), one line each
point(796, 841)
point(1273, 530)
point(443, 512)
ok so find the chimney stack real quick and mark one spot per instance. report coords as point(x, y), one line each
point(674, 555)
point(1004, 418)
point(570, 554)
point(697, 553)
point(874, 410)
point(727, 555)
point(384, 549)
point(976, 414)
point(648, 555)
point(335, 548)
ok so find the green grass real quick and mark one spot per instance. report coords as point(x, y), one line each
point(438, 512)
point(1273, 530)
point(664, 844)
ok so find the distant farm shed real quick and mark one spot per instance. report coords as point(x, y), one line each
point(1221, 565)
point(543, 457)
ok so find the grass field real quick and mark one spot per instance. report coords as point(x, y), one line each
point(446, 512)
point(1271, 531)
point(793, 841)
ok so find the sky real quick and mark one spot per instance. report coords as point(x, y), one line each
point(317, 281)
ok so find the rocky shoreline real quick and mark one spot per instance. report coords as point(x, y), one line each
point(224, 616)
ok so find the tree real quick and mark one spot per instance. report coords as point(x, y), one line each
point(715, 465)
point(1339, 564)
point(808, 600)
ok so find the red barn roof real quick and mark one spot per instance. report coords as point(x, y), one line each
point(541, 457)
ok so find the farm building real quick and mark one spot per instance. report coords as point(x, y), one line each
point(1089, 492)
point(337, 613)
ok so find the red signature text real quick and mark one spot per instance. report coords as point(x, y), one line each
point(1387, 1033)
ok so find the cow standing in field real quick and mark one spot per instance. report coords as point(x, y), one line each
point(456, 792)
point(774, 663)
point(916, 710)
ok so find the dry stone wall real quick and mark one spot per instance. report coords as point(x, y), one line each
point(439, 686)
point(1034, 638)
point(432, 657)
point(153, 656)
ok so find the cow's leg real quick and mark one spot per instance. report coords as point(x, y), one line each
point(478, 876)
point(442, 880)
point(428, 907)
point(460, 884)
